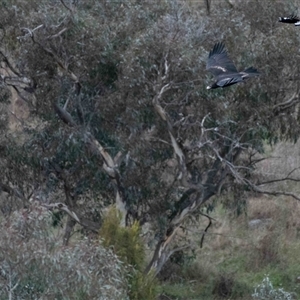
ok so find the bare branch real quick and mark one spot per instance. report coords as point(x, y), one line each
point(178, 249)
point(57, 34)
point(66, 6)
point(276, 193)
point(273, 193)
point(287, 178)
point(208, 6)
point(64, 115)
point(167, 68)
point(206, 228)
point(75, 216)
point(287, 104)
point(30, 32)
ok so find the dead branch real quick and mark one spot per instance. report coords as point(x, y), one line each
point(70, 224)
point(277, 193)
point(19, 81)
point(208, 6)
point(255, 188)
point(206, 228)
point(67, 7)
point(57, 34)
point(287, 178)
point(64, 115)
point(88, 224)
point(30, 32)
point(287, 104)
point(178, 249)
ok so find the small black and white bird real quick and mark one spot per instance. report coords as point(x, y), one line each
point(223, 69)
point(292, 19)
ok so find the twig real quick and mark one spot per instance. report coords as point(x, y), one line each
point(274, 193)
point(206, 228)
point(287, 104)
point(67, 7)
point(57, 34)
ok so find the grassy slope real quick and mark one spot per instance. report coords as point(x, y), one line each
point(235, 258)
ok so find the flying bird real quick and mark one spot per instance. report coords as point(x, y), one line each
point(223, 69)
point(292, 19)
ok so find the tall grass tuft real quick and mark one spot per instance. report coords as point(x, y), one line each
point(128, 245)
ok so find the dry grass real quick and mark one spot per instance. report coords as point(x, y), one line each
point(284, 160)
point(235, 257)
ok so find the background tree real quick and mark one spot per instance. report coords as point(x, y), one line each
point(118, 112)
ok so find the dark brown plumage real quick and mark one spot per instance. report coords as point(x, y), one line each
point(292, 19)
point(222, 67)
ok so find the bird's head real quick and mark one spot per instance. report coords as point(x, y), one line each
point(208, 87)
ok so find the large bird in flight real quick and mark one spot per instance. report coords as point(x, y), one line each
point(222, 67)
point(292, 19)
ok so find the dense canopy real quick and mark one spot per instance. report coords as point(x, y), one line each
point(103, 103)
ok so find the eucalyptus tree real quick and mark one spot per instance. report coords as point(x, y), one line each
point(118, 112)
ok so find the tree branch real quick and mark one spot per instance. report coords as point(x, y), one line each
point(64, 115)
point(93, 226)
point(276, 193)
point(287, 104)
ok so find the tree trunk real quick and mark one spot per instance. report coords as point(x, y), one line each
point(68, 230)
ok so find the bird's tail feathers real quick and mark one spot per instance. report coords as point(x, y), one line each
point(250, 72)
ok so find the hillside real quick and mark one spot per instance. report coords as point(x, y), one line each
point(161, 134)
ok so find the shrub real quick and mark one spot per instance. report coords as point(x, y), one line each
point(34, 265)
point(127, 244)
point(266, 291)
point(224, 285)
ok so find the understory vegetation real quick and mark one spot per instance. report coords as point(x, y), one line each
point(252, 255)
point(122, 176)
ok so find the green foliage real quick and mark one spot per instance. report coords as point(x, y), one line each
point(142, 286)
point(34, 265)
point(119, 53)
point(106, 72)
point(128, 245)
point(57, 218)
point(125, 241)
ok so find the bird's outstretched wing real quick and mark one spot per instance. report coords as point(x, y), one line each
point(223, 82)
point(249, 72)
point(218, 61)
point(290, 19)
